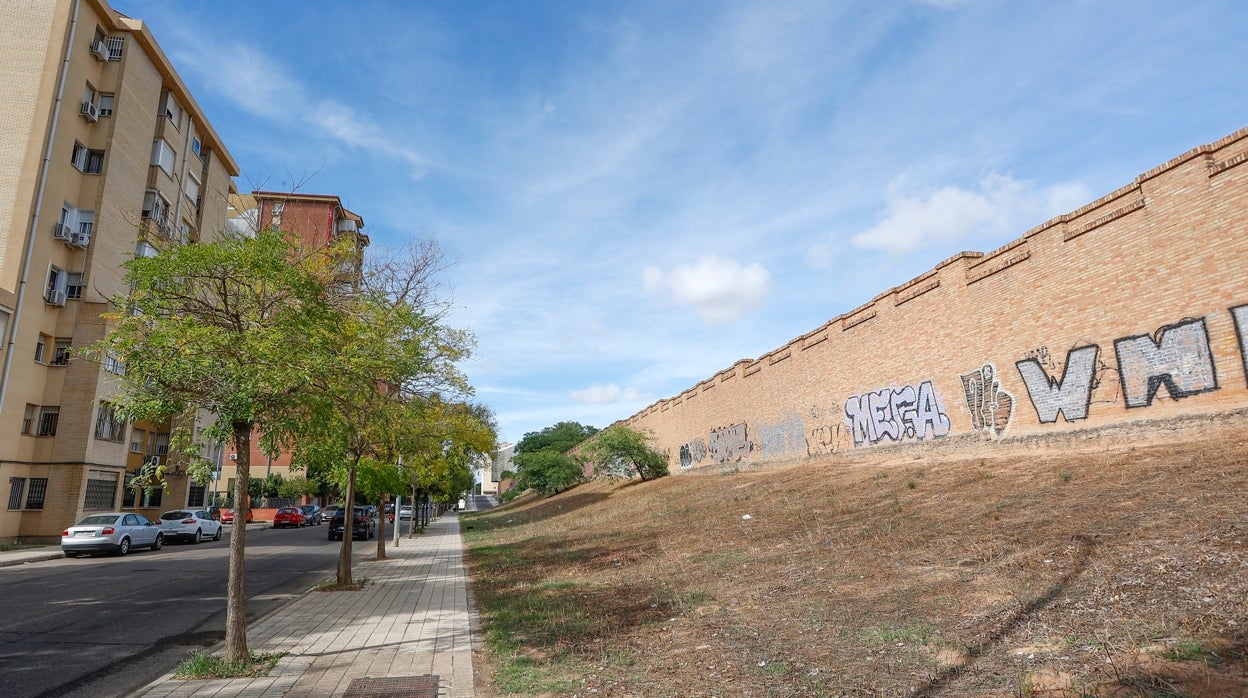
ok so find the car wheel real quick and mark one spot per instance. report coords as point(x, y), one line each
point(199, 536)
point(71, 554)
point(217, 535)
point(159, 542)
point(123, 547)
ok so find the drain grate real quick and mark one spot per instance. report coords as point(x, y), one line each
point(425, 686)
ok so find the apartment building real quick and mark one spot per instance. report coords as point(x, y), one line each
point(314, 221)
point(104, 155)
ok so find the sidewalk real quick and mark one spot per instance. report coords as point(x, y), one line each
point(406, 634)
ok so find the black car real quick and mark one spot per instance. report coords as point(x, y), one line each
point(362, 527)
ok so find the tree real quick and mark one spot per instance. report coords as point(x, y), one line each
point(542, 460)
point(620, 451)
point(206, 333)
point(390, 355)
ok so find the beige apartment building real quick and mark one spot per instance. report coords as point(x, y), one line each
point(104, 155)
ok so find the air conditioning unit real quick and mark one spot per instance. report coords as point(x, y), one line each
point(233, 456)
point(55, 297)
point(99, 50)
point(90, 111)
point(81, 239)
point(62, 232)
point(152, 461)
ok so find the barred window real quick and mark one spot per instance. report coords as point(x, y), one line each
point(35, 492)
point(127, 494)
point(112, 364)
point(197, 496)
point(108, 425)
point(17, 486)
point(101, 490)
point(152, 496)
point(48, 417)
point(28, 419)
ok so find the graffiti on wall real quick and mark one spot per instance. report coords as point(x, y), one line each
point(991, 407)
point(728, 444)
point(782, 439)
point(1068, 395)
point(826, 432)
point(896, 414)
point(1240, 315)
point(1177, 356)
point(692, 452)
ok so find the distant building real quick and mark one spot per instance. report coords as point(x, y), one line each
point(106, 156)
point(502, 463)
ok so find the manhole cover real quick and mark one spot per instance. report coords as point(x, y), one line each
point(394, 687)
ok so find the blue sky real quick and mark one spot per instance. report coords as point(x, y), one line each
point(636, 195)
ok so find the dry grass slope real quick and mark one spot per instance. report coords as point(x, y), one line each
point(1108, 564)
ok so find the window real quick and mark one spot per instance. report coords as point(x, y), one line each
point(115, 46)
point(145, 249)
point(136, 440)
point(86, 223)
point(127, 493)
point(108, 425)
point(163, 155)
point(159, 444)
point(113, 365)
point(192, 186)
point(197, 146)
point(86, 160)
point(73, 287)
point(63, 350)
point(106, 104)
point(17, 487)
point(28, 418)
point(101, 490)
point(36, 491)
point(197, 495)
point(48, 417)
point(170, 109)
point(41, 347)
point(58, 286)
point(154, 206)
point(152, 497)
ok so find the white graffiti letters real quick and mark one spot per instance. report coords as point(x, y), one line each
point(896, 414)
point(1179, 359)
point(1068, 396)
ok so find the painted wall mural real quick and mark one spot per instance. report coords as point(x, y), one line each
point(1179, 358)
point(728, 444)
point(991, 407)
point(896, 414)
point(1068, 395)
point(692, 452)
point(786, 438)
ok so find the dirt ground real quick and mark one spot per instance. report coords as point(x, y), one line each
point(1107, 563)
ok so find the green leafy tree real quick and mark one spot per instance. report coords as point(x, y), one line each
point(205, 334)
point(389, 355)
point(620, 451)
point(543, 461)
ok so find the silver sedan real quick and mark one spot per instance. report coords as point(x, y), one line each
point(114, 532)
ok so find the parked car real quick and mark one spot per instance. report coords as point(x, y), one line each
point(313, 514)
point(328, 512)
point(405, 512)
point(114, 532)
point(362, 526)
point(190, 524)
point(289, 516)
point(227, 516)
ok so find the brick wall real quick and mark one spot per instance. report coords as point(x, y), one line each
point(1133, 307)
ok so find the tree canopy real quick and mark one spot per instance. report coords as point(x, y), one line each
point(620, 451)
point(542, 459)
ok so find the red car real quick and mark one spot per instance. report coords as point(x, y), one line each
point(227, 516)
point(289, 516)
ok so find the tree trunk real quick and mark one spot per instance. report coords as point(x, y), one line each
point(236, 589)
point(348, 525)
point(381, 527)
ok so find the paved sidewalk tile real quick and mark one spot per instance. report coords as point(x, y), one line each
point(412, 619)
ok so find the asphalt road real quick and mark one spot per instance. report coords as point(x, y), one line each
point(102, 626)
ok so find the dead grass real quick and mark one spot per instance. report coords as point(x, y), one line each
point(1098, 565)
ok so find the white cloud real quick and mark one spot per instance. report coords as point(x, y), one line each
point(1000, 207)
point(719, 289)
point(606, 394)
